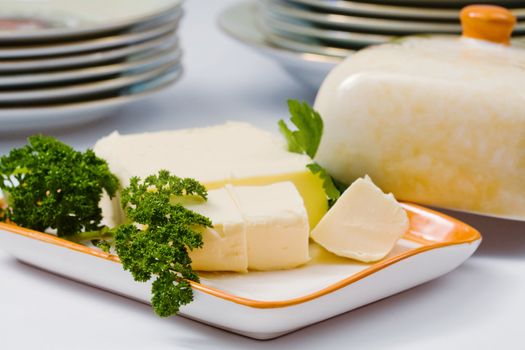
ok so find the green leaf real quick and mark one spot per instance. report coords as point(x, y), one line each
point(21, 171)
point(307, 137)
point(293, 146)
point(331, 189)
point(306, 140)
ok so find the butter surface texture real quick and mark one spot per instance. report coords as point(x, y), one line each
point(224, 245)
point(277, 229)
point(233, 153)
point(364, 224)
point(257, 228)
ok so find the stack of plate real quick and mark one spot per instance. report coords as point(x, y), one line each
point(64, 62)
point(336, 28)
point(321, 33)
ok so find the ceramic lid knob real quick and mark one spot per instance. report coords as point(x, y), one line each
point(487, 22)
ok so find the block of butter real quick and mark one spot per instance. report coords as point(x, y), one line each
point(277, 227)
point(233, 153)
point(254, 227)
point(224, 245)
point(364, 224)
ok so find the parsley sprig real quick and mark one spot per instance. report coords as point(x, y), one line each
point(306, 139)
point(156, 242)
point(49, 185)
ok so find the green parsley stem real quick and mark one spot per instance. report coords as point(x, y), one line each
point(104, 233)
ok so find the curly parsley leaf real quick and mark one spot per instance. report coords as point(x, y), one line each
point(306, 140)
point(156, 243)
point(49, 185)
point(102, 244)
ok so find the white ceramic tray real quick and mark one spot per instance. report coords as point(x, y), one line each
point(265, 305)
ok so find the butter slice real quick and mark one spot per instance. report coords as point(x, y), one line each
point(233, 153)
point(255, 227)
point(364, 224)
point(277, 229)
point(224, 247)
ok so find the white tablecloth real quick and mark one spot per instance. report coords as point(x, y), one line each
point(478, 306)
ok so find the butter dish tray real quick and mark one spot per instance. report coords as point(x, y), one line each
point(265, 305)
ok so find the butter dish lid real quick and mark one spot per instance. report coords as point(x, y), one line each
point(482, 54)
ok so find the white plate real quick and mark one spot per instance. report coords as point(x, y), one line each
point(298, 43)
point(68, 92)
point(309, 46)
point(137, 35)
point(302, 31)
point(389, 11)
point(265, 305)
point(89, 59)
point(451, 3)
point(310, 69)
point(48, 19)
point(134, 65)
point(38, 118)
point(373, 25)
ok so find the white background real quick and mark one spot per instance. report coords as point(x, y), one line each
point(478, 306)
